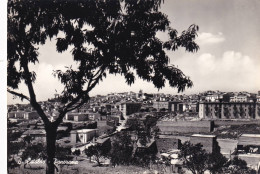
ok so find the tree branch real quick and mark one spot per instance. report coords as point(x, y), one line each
point(28, 81)
point(22, 96)
point(84, 93)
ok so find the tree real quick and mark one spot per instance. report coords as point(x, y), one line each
point(13, 149)
point(194, 157)
point(144, 130)
point(33, 152)
point(238, 166)
point(98, 152)
point(216, 163)
point(77, 153)
point(122, 149)
point(112, 36)
point(63, 154)
point(27, 139)
point(164, 162)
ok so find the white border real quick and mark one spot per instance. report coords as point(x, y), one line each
point(3, 84)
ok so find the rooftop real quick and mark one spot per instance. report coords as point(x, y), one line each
point(83, 130)
point(251, 135)
point(206, 136)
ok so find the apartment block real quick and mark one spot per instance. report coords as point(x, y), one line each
point(229, 110)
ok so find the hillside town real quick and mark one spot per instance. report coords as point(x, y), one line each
point(228, 120)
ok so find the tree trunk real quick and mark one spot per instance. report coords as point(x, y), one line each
point(51, 133)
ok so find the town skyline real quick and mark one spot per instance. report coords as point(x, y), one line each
point(207, 92)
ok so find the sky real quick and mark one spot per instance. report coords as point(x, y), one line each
point(228, 58)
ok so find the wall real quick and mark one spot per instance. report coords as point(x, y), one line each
point(165, 144)
point(169, 127)
point(208, 143)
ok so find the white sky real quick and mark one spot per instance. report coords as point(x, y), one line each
point(228, 59)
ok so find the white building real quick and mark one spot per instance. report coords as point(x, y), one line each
point(83, 135)
point(239, 98)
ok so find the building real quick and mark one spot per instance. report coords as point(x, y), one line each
point(113, 121)
point(76, 116)
point(19, 114)
point(129, 108)
point(257, 110)
point(171, 106)
point(31, 115)
point(147, 148)
point(11, 114)
point(239, 98)
point(38, 135)
point(213, 97)
point(83, 135)
point(94, 116)
point(258, 96)
point(229, 110)
point(209, 142)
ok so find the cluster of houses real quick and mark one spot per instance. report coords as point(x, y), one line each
point(111, 112)
point(208, 105)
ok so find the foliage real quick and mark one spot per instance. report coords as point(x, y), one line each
point(62, 133)
point(238, 162)
point(144, 158)
point(145, 129)
point(238, 166)
point(122, 149)
point(194, 157)
point(11, 124)
point(12, 164)
point(197, 160)
point(77, 152)
point(33, 152)
point(63, 153)
point(164, 162)
point(14, 148)
point(112, 36)
point(216, 163)
point(97, 151)
point(27, 139)
point(124, 38)
point(13, 136)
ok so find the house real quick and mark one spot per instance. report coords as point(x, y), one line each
point(213, 97)
point(94, 116)
point(147, 148)
point(36, 134)
point(19, 114)
point(239, 98)
point(113, 121)
point(171, 106)
point(76, 116)
point(11, 114)
point(31, 115)
point(83, 135)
